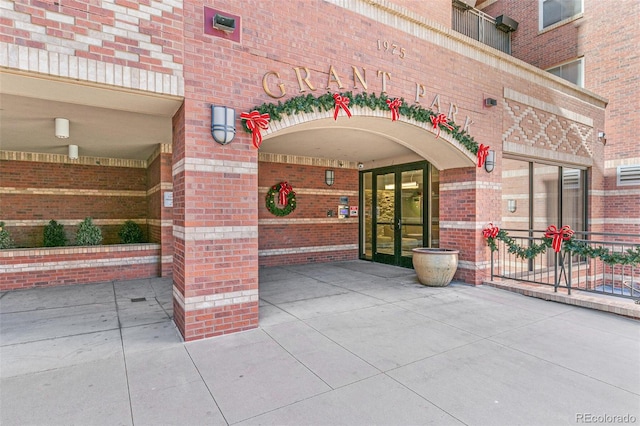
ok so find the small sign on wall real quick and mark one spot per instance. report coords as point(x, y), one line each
point(168, 199)
point(353, 211)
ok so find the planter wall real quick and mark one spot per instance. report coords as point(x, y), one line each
point(48, 267)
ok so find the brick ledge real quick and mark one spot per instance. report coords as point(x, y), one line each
point(616, 305)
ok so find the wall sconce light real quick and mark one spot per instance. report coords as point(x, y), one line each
point(512, 206)
point(62, 128)
point(602, 137)
point(223, 124)
point(73, 152)
point(329, 177)
point(489, 102)
point(490, 161)
point(224, 23)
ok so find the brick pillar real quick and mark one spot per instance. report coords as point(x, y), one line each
point(461, 209)
point(160, 217)
point(215, 262)
point(166, 212)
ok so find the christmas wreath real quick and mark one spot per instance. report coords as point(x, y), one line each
point(286, 198)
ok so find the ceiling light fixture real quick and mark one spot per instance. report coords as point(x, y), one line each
point(62, 128)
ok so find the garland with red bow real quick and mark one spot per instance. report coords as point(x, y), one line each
point(438, 119)
point(394, 106)
point(560, 240)
point(341, 102)
point(255, 122)
point(286, 198)
point(305, 104)
point(483, 151)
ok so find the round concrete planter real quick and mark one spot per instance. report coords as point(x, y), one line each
point(435, 266)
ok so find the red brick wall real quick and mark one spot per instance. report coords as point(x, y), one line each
point(42, 191)
point(607, 37)
point(28, 268)
point(543, 49)
point(313, 200)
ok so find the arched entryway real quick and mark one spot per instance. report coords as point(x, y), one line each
point(396, 167)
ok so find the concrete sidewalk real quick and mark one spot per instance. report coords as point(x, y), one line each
point(351, 343)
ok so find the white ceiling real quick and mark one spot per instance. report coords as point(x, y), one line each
point(129, 125)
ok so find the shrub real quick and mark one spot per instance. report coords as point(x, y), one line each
point(130, 233)
point(54, 235)
point(5, 239)
point(88, 233)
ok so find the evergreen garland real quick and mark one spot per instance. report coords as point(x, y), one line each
point(308, 103)
point(630, 256)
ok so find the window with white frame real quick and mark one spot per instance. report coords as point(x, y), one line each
point(571, 71)
point(554, 11)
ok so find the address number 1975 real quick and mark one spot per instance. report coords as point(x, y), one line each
point(393, 48)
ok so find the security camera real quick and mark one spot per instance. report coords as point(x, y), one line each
point(223, 23)
point(360, 166)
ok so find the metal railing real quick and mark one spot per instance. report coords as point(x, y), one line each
point(481, 27)
point(570, 270)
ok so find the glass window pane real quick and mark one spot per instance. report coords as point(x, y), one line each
point(558, 10)
point(545, 196)
point(573, 201)
point(515, 194)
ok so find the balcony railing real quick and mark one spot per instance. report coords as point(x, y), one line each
point(482, 27)
point(570, 270)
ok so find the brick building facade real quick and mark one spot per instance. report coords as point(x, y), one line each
point(608, 55)
point(137, 82)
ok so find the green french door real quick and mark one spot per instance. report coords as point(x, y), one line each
point(396, 205)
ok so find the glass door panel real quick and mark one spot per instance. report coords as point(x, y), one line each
point(411, 214)
point(385, 218)
point(366, 224)
point(434, 205)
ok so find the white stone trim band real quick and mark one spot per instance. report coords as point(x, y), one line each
point(77, 264)
point(314, 249)
point(202, 233)
point(209, 165)
point(214, 300)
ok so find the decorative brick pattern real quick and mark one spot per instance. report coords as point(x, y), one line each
point(534, 128)
point(127, 44)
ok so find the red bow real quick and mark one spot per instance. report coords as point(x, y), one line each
point(394, 106)
point(255, 122)
point(440, 119)
point(341, 102)
point(490, 231)
point(483, 151)
point(559, 235)
point(285, 190)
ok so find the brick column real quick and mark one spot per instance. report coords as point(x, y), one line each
point(462, 208)
point(160, 217)
point(215, 262)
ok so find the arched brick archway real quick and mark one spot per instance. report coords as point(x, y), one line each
point(318, 134)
